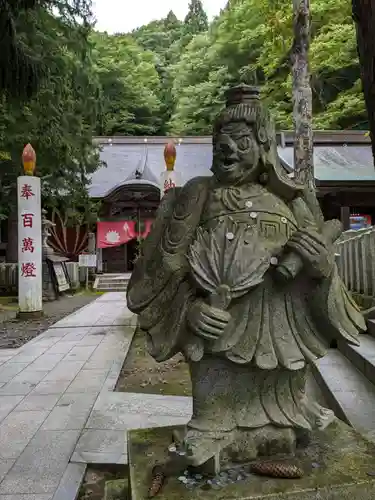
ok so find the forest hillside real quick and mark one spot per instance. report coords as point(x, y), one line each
point(179, 70)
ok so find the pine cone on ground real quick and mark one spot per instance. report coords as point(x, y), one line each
point(157, 481)
point(277, 469)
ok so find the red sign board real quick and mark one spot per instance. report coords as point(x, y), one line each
point(116, 233)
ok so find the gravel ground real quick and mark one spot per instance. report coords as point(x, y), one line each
point(15, 333)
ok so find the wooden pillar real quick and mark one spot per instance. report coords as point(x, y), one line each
point(99, 260)
point(126, 256)
point(345, 217)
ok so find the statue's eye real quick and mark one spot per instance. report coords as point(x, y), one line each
point(243, 143)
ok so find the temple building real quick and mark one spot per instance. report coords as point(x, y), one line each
point(129, 188)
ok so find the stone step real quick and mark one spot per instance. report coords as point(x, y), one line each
point(347, 391)
point(112, 278)
point(111, 289)
point(362, 356)
point(112, 283)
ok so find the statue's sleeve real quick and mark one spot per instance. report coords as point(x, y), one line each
point(144, 284)
point(332, 307)
point(159, 290)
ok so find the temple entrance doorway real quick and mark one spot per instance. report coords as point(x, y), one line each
point(114, 259)
point(131, 254)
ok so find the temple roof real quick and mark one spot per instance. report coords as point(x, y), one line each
point(141, 174)
point(339, 156)
point(123, 160)
point(337, 163)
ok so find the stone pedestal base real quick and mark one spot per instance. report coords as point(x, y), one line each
point(25, 316)
point(339, 464)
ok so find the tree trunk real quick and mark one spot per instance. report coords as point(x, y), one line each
point(364, 17)
point(302, 95)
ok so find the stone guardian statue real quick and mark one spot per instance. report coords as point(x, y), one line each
point(239, 275)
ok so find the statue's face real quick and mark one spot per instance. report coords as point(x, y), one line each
point(236, 153)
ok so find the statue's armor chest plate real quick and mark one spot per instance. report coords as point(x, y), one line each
point(253, 205)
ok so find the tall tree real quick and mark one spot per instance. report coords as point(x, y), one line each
point(21, 69)
point(171, 21)
point(196, 19)
point(364, 17)
point(302, 94)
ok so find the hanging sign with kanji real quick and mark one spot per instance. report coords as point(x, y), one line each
point(169, 179)
point(29, 244)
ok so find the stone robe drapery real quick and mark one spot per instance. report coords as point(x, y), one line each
point(270, 326)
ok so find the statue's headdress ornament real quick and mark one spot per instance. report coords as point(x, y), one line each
point(242, 94)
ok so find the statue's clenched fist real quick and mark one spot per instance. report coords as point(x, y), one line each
point(206, 321)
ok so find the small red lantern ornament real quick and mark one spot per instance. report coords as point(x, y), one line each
point(29, 159)
point(170, 156)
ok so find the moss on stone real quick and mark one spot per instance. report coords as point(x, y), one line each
point(116, 490)
point(344, 462)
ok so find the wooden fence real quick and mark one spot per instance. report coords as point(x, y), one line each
point(9, 276)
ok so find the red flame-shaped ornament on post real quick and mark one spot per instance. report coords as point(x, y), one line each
point(170, 156)
point(28, 159)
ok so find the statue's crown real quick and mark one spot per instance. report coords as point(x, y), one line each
point(242, 94)
point(242, 103)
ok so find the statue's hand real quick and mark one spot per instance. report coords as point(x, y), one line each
point(206, 321)
point(317, 254)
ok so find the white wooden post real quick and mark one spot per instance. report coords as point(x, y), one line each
point(29, 245)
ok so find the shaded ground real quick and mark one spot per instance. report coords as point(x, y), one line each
point(95, 478)
point(141, 373)
point(15, 333)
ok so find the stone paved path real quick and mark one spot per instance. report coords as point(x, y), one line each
point(103, 440)
point(48, 388)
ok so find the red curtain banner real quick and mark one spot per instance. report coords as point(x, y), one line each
point(113, 234)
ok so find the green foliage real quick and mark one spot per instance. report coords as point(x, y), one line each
point(130, 86)
point(166, 77)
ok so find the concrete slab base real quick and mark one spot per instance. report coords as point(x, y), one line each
point(27, 315)
point(339, 464)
